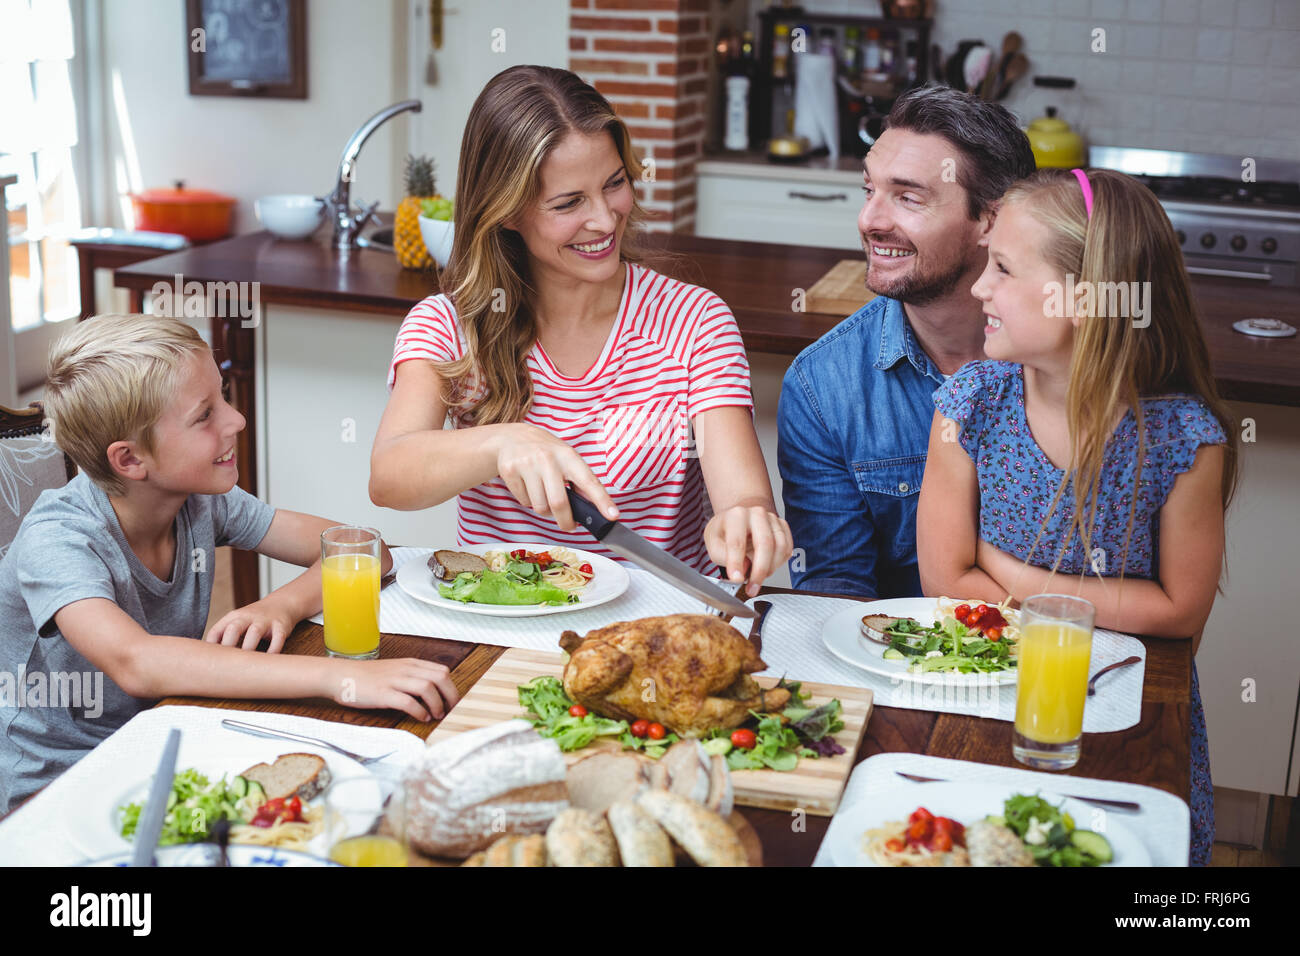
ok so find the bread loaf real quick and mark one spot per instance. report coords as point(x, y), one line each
point(700, 832)
point(468, 790)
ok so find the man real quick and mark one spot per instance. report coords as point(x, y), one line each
point(855, 410)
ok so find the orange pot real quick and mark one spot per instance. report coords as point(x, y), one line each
point(193, 213)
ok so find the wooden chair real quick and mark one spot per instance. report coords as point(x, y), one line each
point(29, 464)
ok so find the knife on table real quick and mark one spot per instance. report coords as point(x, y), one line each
point(155, 808)
point(627, 543)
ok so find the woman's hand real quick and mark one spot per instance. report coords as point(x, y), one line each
point(749, 542)
point(535, 464)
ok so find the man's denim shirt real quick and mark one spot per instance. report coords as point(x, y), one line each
point(854, 425)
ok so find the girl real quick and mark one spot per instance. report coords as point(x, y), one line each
point(560, 359)
point(1093, 443)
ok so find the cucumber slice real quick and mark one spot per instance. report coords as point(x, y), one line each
point(892, 655)
point(717, 745)
point(239, 787)
point(1093, 845)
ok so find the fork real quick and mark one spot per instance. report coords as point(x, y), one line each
point(257, 730)
point(725, 615)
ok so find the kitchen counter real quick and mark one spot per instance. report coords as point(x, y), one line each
point(755, 279)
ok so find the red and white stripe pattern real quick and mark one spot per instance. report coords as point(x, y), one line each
point(675, 351)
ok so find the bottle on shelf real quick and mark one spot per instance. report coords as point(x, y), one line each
point(781, 51)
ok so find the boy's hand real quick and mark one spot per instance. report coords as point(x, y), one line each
point(422, 689)
point(248, 625)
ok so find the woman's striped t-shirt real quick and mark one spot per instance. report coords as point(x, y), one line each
point(675, 351)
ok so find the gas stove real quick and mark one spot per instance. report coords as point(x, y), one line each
point(1227, 226)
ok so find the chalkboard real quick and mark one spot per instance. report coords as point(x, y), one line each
point(247, 47)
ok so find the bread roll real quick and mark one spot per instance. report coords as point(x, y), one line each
point(580, 838)
point(468, 790)
point(641, 841)
point(707, 837)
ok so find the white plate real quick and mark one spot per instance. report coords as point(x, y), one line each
point(842, 635)
point(206, 854)
point(610, 580)
point(966, 803)
point(94, 824)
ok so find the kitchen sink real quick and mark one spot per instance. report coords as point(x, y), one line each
point(381, 240)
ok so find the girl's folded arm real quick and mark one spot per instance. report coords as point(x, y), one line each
point(947, 523)
point(1175, 605)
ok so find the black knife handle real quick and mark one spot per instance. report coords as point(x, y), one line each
point(588, 515)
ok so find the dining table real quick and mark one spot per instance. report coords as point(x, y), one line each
point(1154, 752)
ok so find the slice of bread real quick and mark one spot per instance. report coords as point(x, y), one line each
point(603, 779)
point(445, 565)
point(303, 774)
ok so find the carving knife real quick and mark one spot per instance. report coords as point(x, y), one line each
point(627, 543)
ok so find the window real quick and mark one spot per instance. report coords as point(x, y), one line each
point(38, 140)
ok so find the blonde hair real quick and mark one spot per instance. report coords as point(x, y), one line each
point(520, 116)
point(111, 378)
point(1114, 363)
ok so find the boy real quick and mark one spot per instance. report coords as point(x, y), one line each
point(112, 573)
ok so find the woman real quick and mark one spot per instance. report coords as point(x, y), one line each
point(560, 359)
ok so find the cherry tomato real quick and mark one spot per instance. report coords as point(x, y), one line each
point(577, 710)
point(920, 813)
point(294, 805)
point(543, 558)
point(639, 728)
point(942, 825)
point(961, 611)
point(973, 618)
point(919, 831)
point(941, 842)
point(586, 569)
point(656, 731)
point(994, 633)
point(743, 739)
point(895, 845)
point(982, 608)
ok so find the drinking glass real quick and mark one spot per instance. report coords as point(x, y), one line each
point(1052, 684)
point(350, 562)
point(366, 822)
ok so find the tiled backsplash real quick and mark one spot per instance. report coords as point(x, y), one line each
point(1209, 76)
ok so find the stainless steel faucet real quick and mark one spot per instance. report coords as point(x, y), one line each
point(348, 224)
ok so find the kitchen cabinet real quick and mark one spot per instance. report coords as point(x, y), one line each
point(763, 202)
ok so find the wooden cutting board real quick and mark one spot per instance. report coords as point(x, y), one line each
point(842, 291)
point(814, 786)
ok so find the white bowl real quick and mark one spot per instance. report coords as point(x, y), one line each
point(437, 235)
point(290, 216)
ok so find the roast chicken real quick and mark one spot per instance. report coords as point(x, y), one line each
point(689, 672)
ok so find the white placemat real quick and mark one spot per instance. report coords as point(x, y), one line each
point(646, 596)
point(34, 834)
point(1163, 824)
point(792, 646)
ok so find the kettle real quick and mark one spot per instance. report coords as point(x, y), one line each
point(1055, 144)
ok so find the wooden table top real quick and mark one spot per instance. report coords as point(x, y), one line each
point(757, 281)
point(1155, 752)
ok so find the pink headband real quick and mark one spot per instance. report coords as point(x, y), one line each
point(1086, 186)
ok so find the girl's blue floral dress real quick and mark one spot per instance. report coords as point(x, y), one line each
point(1017, 482)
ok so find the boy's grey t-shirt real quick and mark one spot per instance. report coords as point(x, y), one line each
point(55, 706)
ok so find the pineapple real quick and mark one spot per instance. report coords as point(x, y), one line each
point(411, 252)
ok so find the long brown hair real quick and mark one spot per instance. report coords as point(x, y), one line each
point(522, 114)
point(1116, 362)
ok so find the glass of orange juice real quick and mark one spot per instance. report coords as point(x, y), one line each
point(366, 823)
point(1054, 648)
point(350, 562)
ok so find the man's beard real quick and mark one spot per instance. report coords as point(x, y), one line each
point(921, 286)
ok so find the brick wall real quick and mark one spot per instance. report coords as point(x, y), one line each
point(650, 58)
